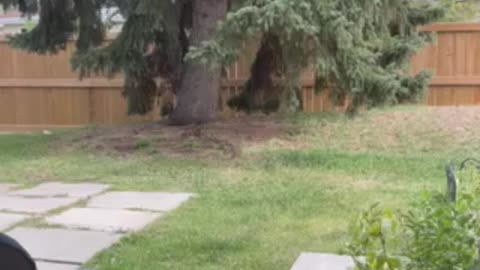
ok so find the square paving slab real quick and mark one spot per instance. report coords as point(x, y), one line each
point(319, 261)
point(8, 220)
point(111, 220)
point(4, 188)
point(55, 189)
point(153, 201)
point(59, 245)
point(33, 205)
point(55, 266)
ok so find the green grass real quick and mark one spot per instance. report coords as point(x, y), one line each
point(256, 213)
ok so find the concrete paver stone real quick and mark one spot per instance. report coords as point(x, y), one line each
point(60, 245)
point(56, 266)
point(57, 189)
point(153, 201)
point(7, 220)
point(319, 261)
point(111, 220)
point(33, 205)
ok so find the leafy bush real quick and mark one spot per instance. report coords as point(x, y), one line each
point(434, 234)
point(460, 10)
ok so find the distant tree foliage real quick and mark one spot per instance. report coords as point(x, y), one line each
point(458, 11)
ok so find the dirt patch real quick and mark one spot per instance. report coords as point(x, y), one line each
point(225, 138)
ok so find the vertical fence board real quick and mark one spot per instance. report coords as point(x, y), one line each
point(460, 56)
point(446, 54)
point(7, 107)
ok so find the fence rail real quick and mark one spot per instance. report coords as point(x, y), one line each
point(42, 92)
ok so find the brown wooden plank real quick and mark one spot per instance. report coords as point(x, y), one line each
point(30, 65)
point(460, 57)
point(450, 27)
point(445, 96)
point(61, 83)
point(328, 105)
point(61, 106)
point(465, 96)
point(308, 102)
point(30, 106)
point(470, 54)
point(317, 102)
point(475, 53)
point(6, 59)
point(96, 105)
point(434, 96)
point(8, 103)
point(428, 100)
point(446, 53)
point(431, 96)
point(16, 128)
point(455, 81)
point(79, 103)
point(424, 59)
point(433, 58)
point(117, 107)
point(477, 95)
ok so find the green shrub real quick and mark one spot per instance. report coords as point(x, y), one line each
point(433, 234)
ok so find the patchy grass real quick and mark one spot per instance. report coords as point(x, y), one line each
point(404, 130)
point(293, 188)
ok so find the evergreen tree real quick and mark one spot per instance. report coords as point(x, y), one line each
point(357, 47)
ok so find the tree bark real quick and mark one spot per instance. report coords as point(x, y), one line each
point(198, 92)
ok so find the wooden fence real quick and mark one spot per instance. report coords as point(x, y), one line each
point(42, 91)
point(455, 60)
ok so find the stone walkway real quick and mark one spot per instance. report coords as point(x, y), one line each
point(82, 219)
point(322, 261)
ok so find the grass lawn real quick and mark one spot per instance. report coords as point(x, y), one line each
point(280, 197)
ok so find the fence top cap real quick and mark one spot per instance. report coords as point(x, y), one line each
point(450, 27)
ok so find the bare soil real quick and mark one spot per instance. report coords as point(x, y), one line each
point(225, 138)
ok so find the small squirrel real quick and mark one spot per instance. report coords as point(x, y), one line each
point(451, 183)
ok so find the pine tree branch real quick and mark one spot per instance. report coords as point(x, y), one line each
point(56, 26)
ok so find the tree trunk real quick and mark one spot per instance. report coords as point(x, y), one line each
point(198, 92)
